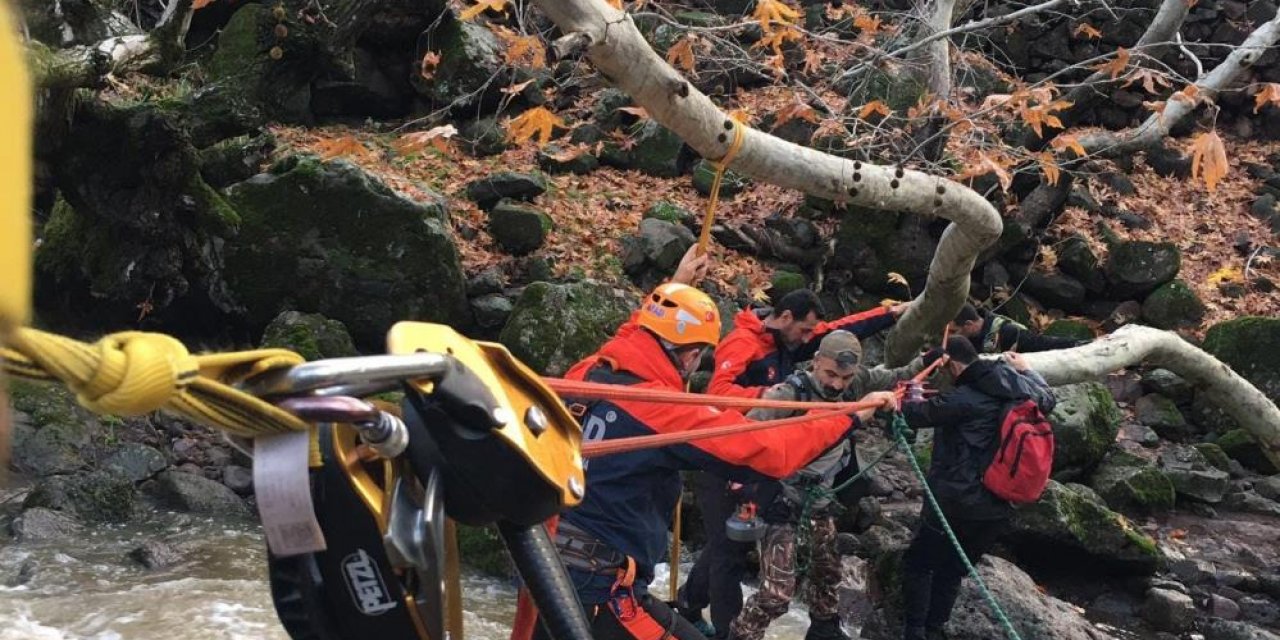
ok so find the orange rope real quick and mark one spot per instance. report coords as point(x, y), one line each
point(636, 443)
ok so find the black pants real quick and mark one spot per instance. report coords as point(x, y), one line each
point(606, 626)
point(932, 569)
point(716, 578)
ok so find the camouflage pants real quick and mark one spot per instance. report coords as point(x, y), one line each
point(778, 552)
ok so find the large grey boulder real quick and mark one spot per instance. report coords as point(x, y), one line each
point(41, 524)
point(1085, 423)
point(1192, 475)
point(1033, 613)
point(554, 325)
point(191, 493)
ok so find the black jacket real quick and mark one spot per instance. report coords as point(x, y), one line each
point(966, 422)
point(1004, 334)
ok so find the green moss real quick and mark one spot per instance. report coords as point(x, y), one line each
point(1074, 518)
point(1069, 329)
point(1086, 421)
point(668, 211)
point(1240, 445)
point(100, 496)
point(900, 91)
point(310, 335)
point(481, 549)
point(1132, 484)
point(1251, 347)
point(731, 184)
point(1172, 306)
point(1215, 455)
point(784, 282)
point(552, 326)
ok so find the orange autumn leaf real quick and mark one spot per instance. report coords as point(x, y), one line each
point(741, 116)
point(680, 55)
point(1049, 166)
point(1209, 159)
point(875, 106)
point(1068, 142)
point(616, 4)
point(1116, 65)
point(1150, 78)
point(867, 24)
point(200, 4)
point(342, 146)
point(436, 137)
point(813, 61)
point(1178, 534)
point(499, 6)
point(536, 121)
point(795, 109)
point(1087, 30)
point(771, 12)
point(1268, 93)
point(430, 60)
point(522, 50)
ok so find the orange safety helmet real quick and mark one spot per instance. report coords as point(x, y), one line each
point(681, 315)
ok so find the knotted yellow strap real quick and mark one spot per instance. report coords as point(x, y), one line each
point(134, 373)
point(723, 163)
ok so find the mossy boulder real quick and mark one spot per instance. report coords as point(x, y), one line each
point(99, 496)
point(1251, 347)
point(1240, 445)
point(555, 160)
point(872, 244)
point(310, 335)
point(235, 159)
point(1160, 413)
point(492, 310)
point(481, 549)
point(52, 433)
point(1085, 423)
point(243, 63)
point(1073, 329)
point(731, 184)
point(484, 137)
point(1168, 384)
point(470, 56)
point(1077, 260)
point(490, 190)
point(1073, 519)
point(656, 151)
point(1132, 484)
point(669, 211)
point(1192, 474)
point(661, 244)
point(1136, 268)
point(554, 325)
point(137, 223)
point(1214, 454)
point(327, 238)
point(136, 461)
point(1172, 306)
point(518, 228)
point(783, 282)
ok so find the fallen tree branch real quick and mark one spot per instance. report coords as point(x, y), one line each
point(86, 66)
point(1133, 344)
point(620, 53)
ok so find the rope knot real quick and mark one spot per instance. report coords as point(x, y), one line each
point(136, 373)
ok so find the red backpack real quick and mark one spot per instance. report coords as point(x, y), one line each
point(1020, 468)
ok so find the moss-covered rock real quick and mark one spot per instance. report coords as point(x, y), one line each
point(278, 84)
point(555, 160)
point(310, 335)
point(1085, 423)
point(190, 493)
point(235, 159)
point(484, 137)
point(657, 247)
point(1240, 445)
point(518, 228)
point(327, 238)
point(669, 212)
point(1172, 306)
point(900, 91)
point(731, 184)
point(1192, 474)
point(137, 224)
point(481, 549)
point(1136, 268)
point(470, 55)
point(491, 311)
point(1072, 518)
point(783, 282)
point(55, 433)
point(99, 496)
point(1069, 329)
point(1131, 484)
point(656, 151)
point(1251, 347)
point(490, 190)
point(555, 325)
point(1077, 260)
point(1160, 413)
point(872, 244)
point(1214, 454)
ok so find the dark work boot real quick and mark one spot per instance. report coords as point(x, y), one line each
point(828, 629)
point(914, 633)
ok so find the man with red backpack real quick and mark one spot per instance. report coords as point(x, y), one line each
point(973, 466)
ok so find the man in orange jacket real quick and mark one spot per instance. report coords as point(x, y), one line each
point(765, 347)
point(611, 542)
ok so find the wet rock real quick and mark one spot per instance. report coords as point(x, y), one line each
point(191, 493)
point(1268, 487)
point(1136, 268)
point(98, 496)
point(51, 431)
point(1034, 614)
point(137, 462)
point(1160, 413)
point(519, 229)
point(1085, 422)
point(1233, 630)
point(1167, 384)
point(1072, 518)
point(154, 554)
point(309, 335)
point(327, 238)
point(41, 524)
point(1250, 502)
point(1192, 475)
point(488, 191)
point(486, 282)
point(1173, 306)
point(1225, 608)
point(238, 479)
point(554, 325)
point(656, 152)
point(1240, 445)
point(491, 311)
point(1132, 484)
point(1169, 610)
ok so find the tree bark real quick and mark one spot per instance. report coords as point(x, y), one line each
point(86, 66)
point(1156, 127)
point(618, 50)
point(1132, 344)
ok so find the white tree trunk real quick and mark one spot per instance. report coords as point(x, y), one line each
point(1156, 127)
point(621, 54)
point(1132, 344)
point(937, 58)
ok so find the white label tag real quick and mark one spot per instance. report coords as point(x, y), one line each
point(280, 483)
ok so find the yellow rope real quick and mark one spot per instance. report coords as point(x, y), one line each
point(674, 587)
point(720, 165)
point(134, 373)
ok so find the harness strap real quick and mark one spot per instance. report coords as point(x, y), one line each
point(581, 551)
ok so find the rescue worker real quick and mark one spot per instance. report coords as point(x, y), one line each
point(611, 542)
point(764, 348)
point(993, 333)
point(966, 422)
point(836, 373)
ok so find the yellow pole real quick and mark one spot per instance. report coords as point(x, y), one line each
point(675, 551)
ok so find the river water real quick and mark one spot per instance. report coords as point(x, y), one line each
point(86, 588)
